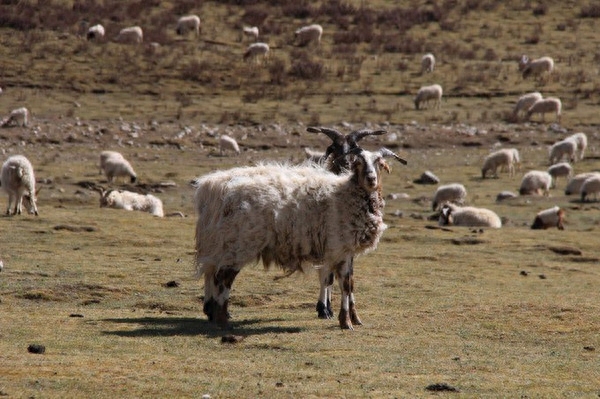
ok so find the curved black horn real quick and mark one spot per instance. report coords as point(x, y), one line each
point(388, 153)
point(358, 135)
point(334, 135)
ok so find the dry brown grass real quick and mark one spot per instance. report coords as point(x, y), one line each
point(504, 313)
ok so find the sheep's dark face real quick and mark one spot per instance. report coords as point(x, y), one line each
point(445, 215)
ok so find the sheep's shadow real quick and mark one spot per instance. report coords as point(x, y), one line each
point(190, 326)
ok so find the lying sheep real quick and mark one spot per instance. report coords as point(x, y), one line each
point(427, 94)
point(95, 33)
point(468, 216)
point(256, 51)
point(227, 143)
point(581, 142)
point(553, 217)
point(560, 149)
point(550, 105)
point(290, 216)
point(563, 169)
point(18, 181)
point(536, 182)
point(17, 117)
point(504, 158)
point(188, 23)
point(113, 164)
point(427, 63)
point(455, 193)
point(536, 68)
point(131, 35)
point(251, 32)
point(574, 184)
point(590, 186)
point(130, 201)
point(308, 34)
point(525, 102)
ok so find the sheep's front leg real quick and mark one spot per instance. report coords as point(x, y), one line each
point(347, 308)
point(353, 315)
point(222, 282)
point(324, 303)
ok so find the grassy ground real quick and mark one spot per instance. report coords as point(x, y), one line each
point(505, 313)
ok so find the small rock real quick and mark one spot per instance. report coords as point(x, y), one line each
point(427, 178)
point(36, 348)
point(542, 276)
point(524, 273)
point(504, 195)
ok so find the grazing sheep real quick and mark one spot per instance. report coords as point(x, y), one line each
point(227, 143)
point(590, 186)
point(251, 32)
point(308, 34)
point(255, 51)
point(18, 180)
point(130, 201)
point(536, 182)
point(17, 117)
point(427, 63)
point(504, 158)
point(427, 94)
point(536, 68)
point(550, 105)
point(563, 169)
point(290, 216)
point(131, 35)
point(553, 217)
point(95, 33)
point(581, 141)
point(560, 149)
point(113, 164)
point(468, 216)
point(525, 102)
point(455, 193)
point(338, 162)
point(188, 23)
point(574, 184)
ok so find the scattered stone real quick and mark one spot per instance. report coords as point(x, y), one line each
point(36, 348)
point(542, 276)
point(524, 273)
point(172, 284)
point(427, 178)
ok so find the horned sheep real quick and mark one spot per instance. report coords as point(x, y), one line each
point(308, 34)
point(228, 143)
point(536, 182)
point(427, 63)
point(553, 217)
point(537, 67)
point(504, 158)
point(427, 94)
point(563, 169)
point(130, 201)
point(95, 32)
point(574, 184)
point(113, 164)
point(590, 186)
point(188, 23)
point(525, 102)
point(131, 35)
point(468, 216)
point(18, 180)
point(550, 105)
point(251, 213)
point(560, 149)
point(455, 193)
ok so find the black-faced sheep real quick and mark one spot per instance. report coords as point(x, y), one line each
point(18, 180)
point(95, 33)
point(290, 216)
point(468, 216)
point(113, 164)
point(553, 217)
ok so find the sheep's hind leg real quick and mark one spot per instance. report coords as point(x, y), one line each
point(223, 280)
point(324, 303)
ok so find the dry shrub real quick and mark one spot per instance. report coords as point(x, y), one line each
point(396, 43)
point(360, 34)
point(590, 11)
point(182, 7)
point(299, 9)
point(540, 9)
point(197, 71)
point(277, 71)
point(303, 67)
point(255, 16)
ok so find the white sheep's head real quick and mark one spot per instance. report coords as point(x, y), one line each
point(367, 167)
point(30, 202)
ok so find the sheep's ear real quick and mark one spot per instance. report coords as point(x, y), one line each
point(384, 165)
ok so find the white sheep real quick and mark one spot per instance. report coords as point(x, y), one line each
point(95, 33)
point(255, 51)
point(113, 164)
point(536, 182)
point(574, 184)
point(228, 143)
point(455, 193)
point(308, 34)
point(427, 63)
point(290, 216)
point(563, 169)
point(525, 102)
point(537, 67)
point(188, 23)
point(18, 181)
point(550, 105)
point(468, 216)
point(553, 217)
point(427, 94)
point(590, 186)
point(130, 201)
point(17, 117)
point(560, 149)
point(250, 32)
point(580, 139)
point(504, 158)
point(131, 35)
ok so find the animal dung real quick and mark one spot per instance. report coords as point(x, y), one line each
point(36, 348)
